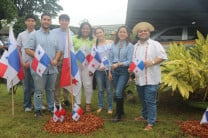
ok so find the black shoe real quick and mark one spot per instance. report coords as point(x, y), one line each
point(116, 119)
point(67, 103)
point(38, 114)
point(52, 110)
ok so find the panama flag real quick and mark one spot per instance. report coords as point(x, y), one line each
point(4, 65)
point(59, 113)
point(136, 65)
point(105, 63)
point(20, 75)
point(204, 119)
point(94, 61)
point(77, 112)
point(40, 61)
point(66, 78)
point(14, 68)
point(4, 70)
point(83, 55)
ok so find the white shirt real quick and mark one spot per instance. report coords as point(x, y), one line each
point(1, 44)
point(104, 51)
point(21, 42)
point(149, 51)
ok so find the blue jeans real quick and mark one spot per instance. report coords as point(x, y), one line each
point(28, 86)
point(47, 83)
point(120, 78)
point(102, 82)
point(148, 94)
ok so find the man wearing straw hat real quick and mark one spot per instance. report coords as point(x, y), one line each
point(147, 80)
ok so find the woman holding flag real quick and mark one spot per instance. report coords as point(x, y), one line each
point(82, 44)
point(120, 58)
point(103, 47)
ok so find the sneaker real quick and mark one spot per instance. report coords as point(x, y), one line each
point(27, 109)
point(52, 110)
point(43, 107)
point(38, 114)
point(99, 110)
point(110, 112)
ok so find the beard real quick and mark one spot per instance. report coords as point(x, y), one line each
point(45, 27)
point(144, 39)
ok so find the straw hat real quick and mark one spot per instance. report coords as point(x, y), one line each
point(142, 25)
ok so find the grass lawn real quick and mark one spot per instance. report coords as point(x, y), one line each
point(170, 110)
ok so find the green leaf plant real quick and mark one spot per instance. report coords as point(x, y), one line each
point(186, 70)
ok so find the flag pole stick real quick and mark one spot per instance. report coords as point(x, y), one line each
point(12, 99)
point(69, 52)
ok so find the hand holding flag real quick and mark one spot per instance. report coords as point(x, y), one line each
point(94, 61)
point(83, 55)
point(136, 65)
point(105, 63)
point(40, 61)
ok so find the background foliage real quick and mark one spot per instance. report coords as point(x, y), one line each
point(18, 9)
point(186, 70)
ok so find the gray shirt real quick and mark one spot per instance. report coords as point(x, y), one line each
point(21, 41)
point(62, 35)
point(48, 41)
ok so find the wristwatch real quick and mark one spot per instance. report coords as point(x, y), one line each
point(153, 62)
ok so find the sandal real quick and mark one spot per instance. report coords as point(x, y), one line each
point(110, 112)
point(99, 110)
point(140, 118)
point(148, 127)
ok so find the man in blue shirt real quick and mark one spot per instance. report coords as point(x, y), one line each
point(48, 41)
point(62, 34)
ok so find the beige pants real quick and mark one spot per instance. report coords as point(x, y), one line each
point(87, 83)
point(57, 85)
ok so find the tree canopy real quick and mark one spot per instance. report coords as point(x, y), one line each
point(25, 7)
point(18, 9)
point(8, 10)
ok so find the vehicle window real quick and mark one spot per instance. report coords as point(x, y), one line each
point(192, 33)
point(4, 40)
point(171, 35)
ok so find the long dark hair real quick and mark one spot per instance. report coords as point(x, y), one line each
point(128, 32)
point(97, 41)
point(80, 30)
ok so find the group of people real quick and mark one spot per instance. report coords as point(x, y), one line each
point(113, 76)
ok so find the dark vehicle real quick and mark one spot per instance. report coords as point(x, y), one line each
point(4, 40)
point(179, 34)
